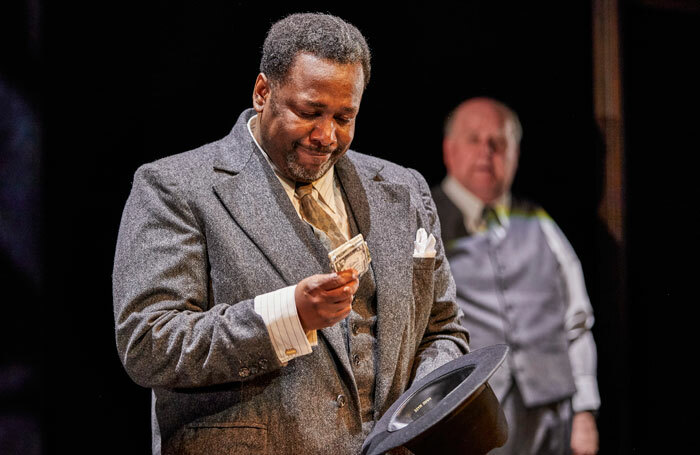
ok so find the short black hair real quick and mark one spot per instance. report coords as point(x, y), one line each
point(322, 35)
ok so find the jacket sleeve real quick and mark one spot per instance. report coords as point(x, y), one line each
point(444, 338)
point(169, 332)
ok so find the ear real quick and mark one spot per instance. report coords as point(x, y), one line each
point(261, 92)
point(516, 161)
point(447, 149)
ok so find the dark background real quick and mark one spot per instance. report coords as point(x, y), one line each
point(103, 87)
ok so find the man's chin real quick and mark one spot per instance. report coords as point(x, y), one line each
point(301, 173)
point(310, 167)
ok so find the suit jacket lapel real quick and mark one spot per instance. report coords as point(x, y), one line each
point(382, 213)
point(256, 201)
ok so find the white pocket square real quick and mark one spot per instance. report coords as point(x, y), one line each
point(424, 246)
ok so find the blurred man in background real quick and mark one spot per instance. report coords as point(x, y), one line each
point(519, 282)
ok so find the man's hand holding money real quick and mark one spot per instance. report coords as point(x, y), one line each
point(324, 300)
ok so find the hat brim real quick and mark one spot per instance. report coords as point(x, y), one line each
point(433, 398)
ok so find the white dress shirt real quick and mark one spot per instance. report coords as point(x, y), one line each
point(578, 317)
point(278, 308)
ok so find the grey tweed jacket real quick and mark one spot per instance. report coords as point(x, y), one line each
point(202, 234)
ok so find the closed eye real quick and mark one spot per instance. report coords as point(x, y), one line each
point(308, 114)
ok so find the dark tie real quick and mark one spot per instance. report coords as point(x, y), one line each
point(314, 214)
point(489, 217)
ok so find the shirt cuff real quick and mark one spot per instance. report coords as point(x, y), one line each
point(279, 312)
point(586, 397)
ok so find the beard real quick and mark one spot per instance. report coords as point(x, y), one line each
point(305, 174)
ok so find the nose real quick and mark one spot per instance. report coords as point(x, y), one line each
point(487, 148)
point(324, 133)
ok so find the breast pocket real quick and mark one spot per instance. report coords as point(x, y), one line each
point(224, 438)
point(423, 269)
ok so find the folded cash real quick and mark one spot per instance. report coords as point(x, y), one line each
point(353, 254)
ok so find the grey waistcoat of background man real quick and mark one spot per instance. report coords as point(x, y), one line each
point(510, 291)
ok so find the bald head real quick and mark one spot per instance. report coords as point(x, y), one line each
point(480, 147)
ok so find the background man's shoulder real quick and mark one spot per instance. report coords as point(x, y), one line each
point(526, 206)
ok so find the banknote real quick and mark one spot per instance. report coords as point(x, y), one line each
point(352, 254)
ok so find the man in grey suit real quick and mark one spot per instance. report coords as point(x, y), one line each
point(224, 300)
point(518, 282)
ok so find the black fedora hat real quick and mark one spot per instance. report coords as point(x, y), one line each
point(451, 410)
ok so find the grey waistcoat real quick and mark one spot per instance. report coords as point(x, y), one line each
point(360, 330)
point(511, 292)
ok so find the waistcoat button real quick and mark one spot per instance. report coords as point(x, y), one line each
point(340, 399)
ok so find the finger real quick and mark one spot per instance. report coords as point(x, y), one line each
point(332, 314)
point(343, 309)
point(336, 280)
point(343, 292)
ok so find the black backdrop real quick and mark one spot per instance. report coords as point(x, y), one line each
point(122, 85)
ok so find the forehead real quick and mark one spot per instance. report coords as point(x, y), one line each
point(312, 77)
point(480, 116)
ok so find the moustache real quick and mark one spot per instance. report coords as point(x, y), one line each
point(322, 150)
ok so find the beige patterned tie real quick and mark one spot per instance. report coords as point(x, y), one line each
point(314, 214)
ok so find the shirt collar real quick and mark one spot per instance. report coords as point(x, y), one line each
point(472, 207)
point(323, 186)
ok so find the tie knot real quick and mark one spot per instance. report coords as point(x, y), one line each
point(303, 189)
point(489, 216)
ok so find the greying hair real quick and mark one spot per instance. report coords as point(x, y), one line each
point(509, 114)
point(322, 35)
